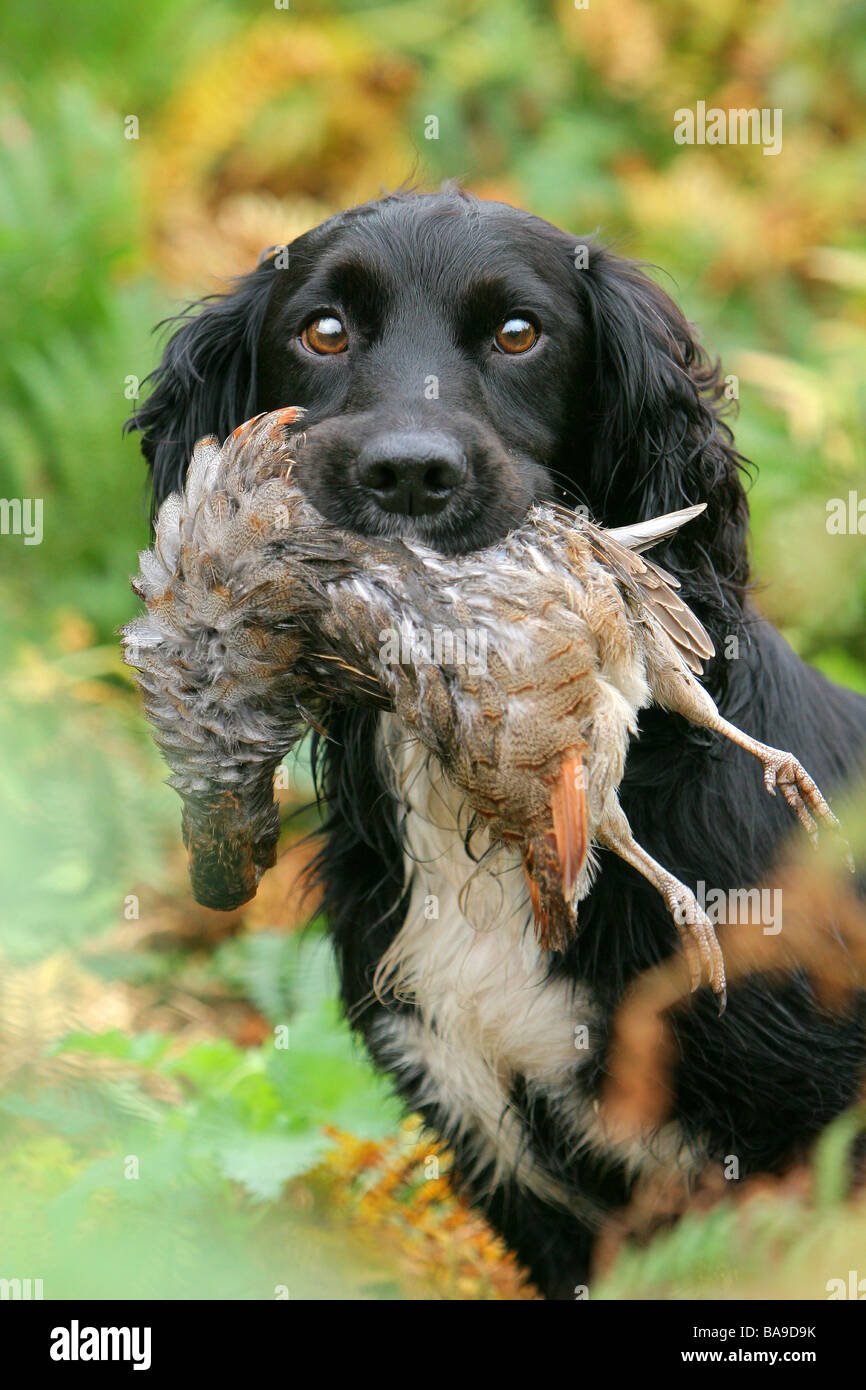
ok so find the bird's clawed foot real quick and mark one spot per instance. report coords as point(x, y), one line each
point(802, 794)
point(700, 943)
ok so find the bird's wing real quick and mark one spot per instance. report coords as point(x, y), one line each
point(656, 591)
point(643, 534)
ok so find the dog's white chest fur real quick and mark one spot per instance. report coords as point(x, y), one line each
point(488, 1011)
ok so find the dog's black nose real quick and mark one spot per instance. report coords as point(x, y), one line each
point(412, 472)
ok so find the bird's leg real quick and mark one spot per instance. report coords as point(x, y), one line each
point(683, 695)
point(700, 943)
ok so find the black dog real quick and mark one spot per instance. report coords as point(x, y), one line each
point(457, 358)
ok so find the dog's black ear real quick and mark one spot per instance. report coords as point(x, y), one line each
point(206, 381)
point(654, 437)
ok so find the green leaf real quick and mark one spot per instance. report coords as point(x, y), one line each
point(144, 1048)
point(264, 1163)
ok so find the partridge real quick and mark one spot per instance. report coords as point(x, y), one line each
point(521, 668)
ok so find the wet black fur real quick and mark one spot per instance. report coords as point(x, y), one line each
point(618, 407)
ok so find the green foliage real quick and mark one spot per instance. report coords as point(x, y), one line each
point(76, 328)
point(133, 59)
point(210, 1165)
point(726, 1251)
point(278, 977)
point(833, 1157)
point(84, 819)
point(256, 1115)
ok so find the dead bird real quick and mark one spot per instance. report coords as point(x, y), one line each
point(258, 610)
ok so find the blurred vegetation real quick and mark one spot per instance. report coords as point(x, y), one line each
point(132, 1022)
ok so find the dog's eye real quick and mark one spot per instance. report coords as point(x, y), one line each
point(326, 334)
point(515, 335)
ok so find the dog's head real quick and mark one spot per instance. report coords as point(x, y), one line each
point(456, 359)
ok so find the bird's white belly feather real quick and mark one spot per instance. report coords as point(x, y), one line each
point(487, 1009)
